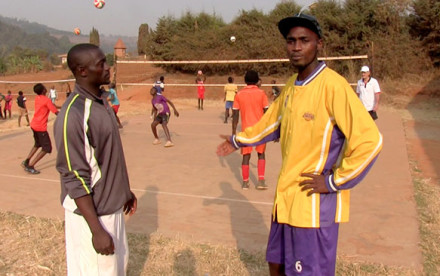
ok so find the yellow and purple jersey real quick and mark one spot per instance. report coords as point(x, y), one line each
point(323, 129)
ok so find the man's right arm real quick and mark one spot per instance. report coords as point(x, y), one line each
point(101, 240)
point(265, 130)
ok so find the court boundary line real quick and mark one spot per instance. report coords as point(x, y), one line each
point(156, 192)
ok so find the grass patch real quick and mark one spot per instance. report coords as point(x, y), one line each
point(35, 246)
point(428, 208)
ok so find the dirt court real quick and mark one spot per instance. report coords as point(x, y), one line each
point(188, 191)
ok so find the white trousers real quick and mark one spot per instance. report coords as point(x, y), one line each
point(82, 259)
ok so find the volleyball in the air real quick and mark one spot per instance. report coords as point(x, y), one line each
point(77, 31)
point(99, 3)
point(232, 38)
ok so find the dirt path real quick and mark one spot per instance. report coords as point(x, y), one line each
point(188, 191)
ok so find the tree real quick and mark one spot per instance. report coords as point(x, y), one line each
point(143, 37)
point(110, 59)
point(94, 37)
point(425, 26)
point(3, 66)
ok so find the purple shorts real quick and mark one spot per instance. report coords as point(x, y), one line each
point(303, 251)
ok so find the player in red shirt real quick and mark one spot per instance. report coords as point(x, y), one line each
point(43, 105)
point(251, 103)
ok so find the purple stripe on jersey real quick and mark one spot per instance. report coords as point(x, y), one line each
point(327, 209)
point(353, 182)
point(270, 137)
point(304, 251)
point(321, 66)
point(336, 143)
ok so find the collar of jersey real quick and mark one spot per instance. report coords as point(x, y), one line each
point(83, 92)
point(321, 66)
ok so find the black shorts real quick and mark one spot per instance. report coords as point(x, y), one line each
point(42, 140)
point(373, 114)
point(161, 118)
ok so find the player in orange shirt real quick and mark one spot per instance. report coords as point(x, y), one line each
point(250, 103)
point(43, 105)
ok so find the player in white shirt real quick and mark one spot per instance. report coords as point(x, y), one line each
point(53, 94)
point(368, 91)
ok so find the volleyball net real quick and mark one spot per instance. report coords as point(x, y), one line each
point(10, 83)
point(214, 62)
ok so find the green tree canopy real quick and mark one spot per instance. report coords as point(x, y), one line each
point(143, 39)
point(377, 28)
point(424, 21)
point(94, 36)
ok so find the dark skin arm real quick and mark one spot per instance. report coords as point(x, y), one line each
point(101, 240)
point(111, 98)
point(130, 206)
point(153, 112)
point(174, 108)
point(315, 185)
point(225, 148)
point(235, 117)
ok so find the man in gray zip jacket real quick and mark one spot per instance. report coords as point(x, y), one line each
point(95, 189)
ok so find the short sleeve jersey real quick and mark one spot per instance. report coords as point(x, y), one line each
point(230, 91)
point(159, 99)
point(8, 98)
point(159, 87)
point(21, 101)
point(112, 94)
point(53, 93)
point(43, 105)
point(367, 91)
point(251, 102)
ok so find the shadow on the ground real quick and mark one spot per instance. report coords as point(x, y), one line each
point(242, 214)
point(425, 109)
point(184, 263)
point(234, 163)
point(139, 244)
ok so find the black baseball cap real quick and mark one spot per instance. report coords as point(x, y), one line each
point(299, 20)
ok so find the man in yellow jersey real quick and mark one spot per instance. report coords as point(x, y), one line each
point(328, 142)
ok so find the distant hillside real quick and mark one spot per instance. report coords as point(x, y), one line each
point(33, 35)
point(12, 36)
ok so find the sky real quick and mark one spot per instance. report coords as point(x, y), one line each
point(123, 17)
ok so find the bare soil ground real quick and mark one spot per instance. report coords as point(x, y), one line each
point(187, 190)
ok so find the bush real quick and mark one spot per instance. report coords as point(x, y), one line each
point(378, 28)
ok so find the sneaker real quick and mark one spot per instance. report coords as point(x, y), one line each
point(156, 142)
point(24, 164)
point(261, 185)
point(31, 170)
point(245, 185)
point(168, 144)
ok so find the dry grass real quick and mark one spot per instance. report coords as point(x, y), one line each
point(35, 246)
point(31, 246)
point(427, 193)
